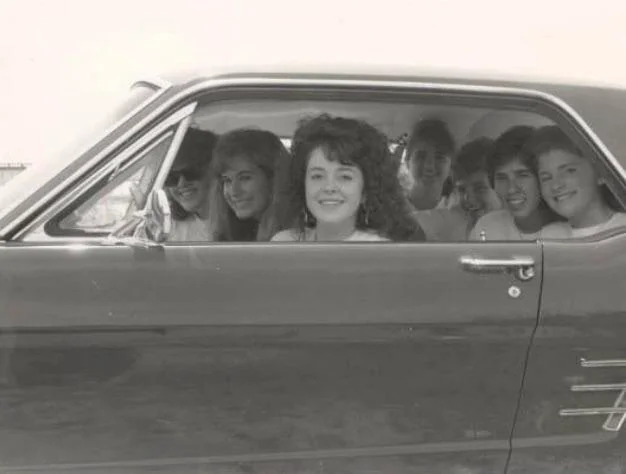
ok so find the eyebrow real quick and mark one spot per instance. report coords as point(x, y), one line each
point(237, 173)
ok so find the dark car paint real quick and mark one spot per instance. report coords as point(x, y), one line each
point(336, 355)
point(103, 374)
point(583, 317)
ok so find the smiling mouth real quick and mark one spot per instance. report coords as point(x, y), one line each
point(241, 203)
point(330, 202)
point(187, 193)
point(516, 202)
point(564, 196)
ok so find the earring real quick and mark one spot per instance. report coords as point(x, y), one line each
point(308, 218)
point(365, 213)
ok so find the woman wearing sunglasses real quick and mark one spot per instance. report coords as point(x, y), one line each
point(188, 185)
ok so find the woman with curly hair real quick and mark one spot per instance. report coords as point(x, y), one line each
point(246, 198)
point(345, 185)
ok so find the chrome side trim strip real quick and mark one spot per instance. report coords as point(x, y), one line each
point(603, 363)
point(599, 387)
point(615, 421)
point(592, 411)
point(224, 82)
point(616, 413)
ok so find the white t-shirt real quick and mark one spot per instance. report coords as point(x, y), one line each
point(294, 235)
point(500, 225)
point(444, 225)
point(563, 230)
point(192, 229)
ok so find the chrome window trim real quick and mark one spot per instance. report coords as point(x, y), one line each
point(35, 233)
point(107, 131)
point(156, 83)
point(217, 83)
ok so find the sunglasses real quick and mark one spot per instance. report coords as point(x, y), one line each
point(190, 174)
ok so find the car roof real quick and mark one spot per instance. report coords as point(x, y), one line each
point(602, 105)
point(387, 73)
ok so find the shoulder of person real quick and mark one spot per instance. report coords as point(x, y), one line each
point(497, 217)
point(368, 235)
point(556, 230)
point(289, 235)
point(447, 224)
point(492, 222)
point(619, 219)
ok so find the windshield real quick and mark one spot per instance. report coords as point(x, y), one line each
point(31, 179)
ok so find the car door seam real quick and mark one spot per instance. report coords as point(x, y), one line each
point(526, 360)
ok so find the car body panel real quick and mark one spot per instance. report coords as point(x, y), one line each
point(582, 321)
point(337, 354)
point(396, 360)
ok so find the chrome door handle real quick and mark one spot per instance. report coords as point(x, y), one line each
point(523, 266)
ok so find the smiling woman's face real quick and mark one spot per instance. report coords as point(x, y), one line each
point(334, 191)
point(569, 183)
point(246, 188)
point(189, 184)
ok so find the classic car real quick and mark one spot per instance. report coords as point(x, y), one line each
point(123, 354)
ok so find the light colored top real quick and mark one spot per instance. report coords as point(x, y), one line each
point(500, 225)
point(192, 229)
point(294, 235)
point(563, 230)
point(444, 225)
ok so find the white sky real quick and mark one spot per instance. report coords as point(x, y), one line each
point(65, 60)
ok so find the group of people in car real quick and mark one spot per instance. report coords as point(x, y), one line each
point(529, 183)
point(340, 181)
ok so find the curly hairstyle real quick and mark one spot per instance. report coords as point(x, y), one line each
point(196, 149)
point(265, 150)
point(510, 146)
point(352, 142)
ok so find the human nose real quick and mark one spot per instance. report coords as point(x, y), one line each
point(330, 185)
point(558, 183)
point(429, 163)
point(235, 187)
point(513, 187)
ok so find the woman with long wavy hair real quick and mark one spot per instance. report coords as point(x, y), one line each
point(246, 199)
point(345, 186)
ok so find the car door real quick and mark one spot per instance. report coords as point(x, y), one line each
point(264, 357)
point(573, 408)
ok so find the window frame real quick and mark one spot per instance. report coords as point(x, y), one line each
point(53, 226)
point(514, 98)
point(495, 98)
point(175, 124)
